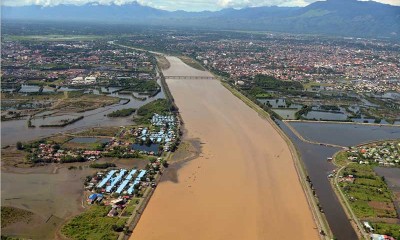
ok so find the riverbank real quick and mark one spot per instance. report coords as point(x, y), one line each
point(209, 189)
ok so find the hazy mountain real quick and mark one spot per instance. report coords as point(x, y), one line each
point(333, 17)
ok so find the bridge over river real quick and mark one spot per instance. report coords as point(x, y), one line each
point(189, 77)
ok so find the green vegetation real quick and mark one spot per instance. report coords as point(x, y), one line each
point(368, 195)
point(94, 224)
point(136, 85)
point(269, 82)
point(131, 206)
point(11, 215)
point(102, 165)
point(388, 229)
point(70, 159)
point(122, 113)
point(121, 152)
point(341, 158)
point(19, 145)
point(160, 106)
point(299, 114)
point(108, 131)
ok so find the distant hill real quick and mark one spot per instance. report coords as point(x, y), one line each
point(331, 17)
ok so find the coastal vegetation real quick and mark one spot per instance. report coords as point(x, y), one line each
point(122, 113)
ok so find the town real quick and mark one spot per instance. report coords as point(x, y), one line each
point(161, 136)
point(343, 73)
point(384, 154)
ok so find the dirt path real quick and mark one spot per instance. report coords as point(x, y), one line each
point(242, 186)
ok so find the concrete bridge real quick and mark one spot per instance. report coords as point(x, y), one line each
point(188, 77)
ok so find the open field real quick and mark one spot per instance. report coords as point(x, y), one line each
point(209, 189)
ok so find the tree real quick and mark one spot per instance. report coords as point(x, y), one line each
point(19, 146)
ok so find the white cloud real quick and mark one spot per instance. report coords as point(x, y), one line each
point(190, 5)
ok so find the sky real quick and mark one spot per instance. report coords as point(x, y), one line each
point(188, 5)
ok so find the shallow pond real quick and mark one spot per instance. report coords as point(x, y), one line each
point(345, 134)
point(29, 88)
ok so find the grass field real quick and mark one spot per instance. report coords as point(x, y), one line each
point(341, 158)
point(11, 215)
point(93, 224)
point(107, 132)
point(369, 195)
point(85, 146)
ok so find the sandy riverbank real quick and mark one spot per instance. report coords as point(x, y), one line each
point(242, 186)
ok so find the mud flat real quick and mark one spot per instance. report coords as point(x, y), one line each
point(242, 186)
point(51, 194)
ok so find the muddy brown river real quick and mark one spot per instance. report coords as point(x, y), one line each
point(242, 186)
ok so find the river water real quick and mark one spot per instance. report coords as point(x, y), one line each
point(242, 186)
point(315, 159)
point(17, 130)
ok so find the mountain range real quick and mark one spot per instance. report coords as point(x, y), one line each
point(331, 17)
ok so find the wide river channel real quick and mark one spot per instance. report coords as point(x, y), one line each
point(244, 184)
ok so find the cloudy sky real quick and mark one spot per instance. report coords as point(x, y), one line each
point(189, 5)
